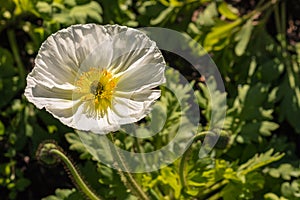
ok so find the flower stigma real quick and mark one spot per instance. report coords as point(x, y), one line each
point(96, 88)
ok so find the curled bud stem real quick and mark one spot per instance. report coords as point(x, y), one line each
point(50, 154)
point(44, 154)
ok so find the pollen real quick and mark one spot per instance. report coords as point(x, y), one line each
point(96, 88)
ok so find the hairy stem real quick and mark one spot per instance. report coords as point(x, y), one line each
point(130, 181)
point(76, 177)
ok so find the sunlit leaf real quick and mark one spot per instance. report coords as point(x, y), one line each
point(2, 128)
point(162, 16)
point(228, 11)
point(243, 37)
point(286, 171)
point(258, 161)
point(77, 145)
point(63, 194)
point(220, 34)
point(23, 6)
point(208, 16)
point(82, 12)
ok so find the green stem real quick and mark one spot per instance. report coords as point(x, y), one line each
point(140, 150)
point(76, 177)
point(15, 50)
point(280, 22)
point(260, 3)
point(212, 191)
point(283, 24)
point(133, 185)
point(202, 135)
point(182, 169)
point(260, 9)
point(283, 16)
point(277, 19)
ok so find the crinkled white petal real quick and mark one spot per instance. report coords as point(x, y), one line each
point(141, 77)
point(62, 54)
point(131, 48)
point(131, 107)
point(40, 93)
point(95, 125)
point(127, 53)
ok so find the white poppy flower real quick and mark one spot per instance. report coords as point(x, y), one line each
point(96, 78)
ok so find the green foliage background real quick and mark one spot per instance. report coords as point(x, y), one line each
point(256, 46)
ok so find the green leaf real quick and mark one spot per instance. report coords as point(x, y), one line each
point(258, 161)
point(170, 178)
point(6, 64)
point(90, 12)
point(250, 131)
point(2, 128)
point(8, 89)
point(82, 12)
point(63, 18)
point(207, 103)
point(23, 6)
point(61, 194)
point(271, 70)
point(89, 171)
point(272, 196)
point(291, 190)
point(245, 188)
point(228, 11)
point(289, 94)
point(158, 116)
point(266, 127)
point(171, 3)
point(162, 16)
point(77, 145)
point(220, 35)
point(297, 47)
point(255, 180)
point(44, 8)
point(286, 171)
point(283, 71)
point(256, 95)
point(22, 184)
point(243, 38)
point(207, 17)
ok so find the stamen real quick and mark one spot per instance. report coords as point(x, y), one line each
point(96, 88)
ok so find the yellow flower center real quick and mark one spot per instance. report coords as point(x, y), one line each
point(96, 88)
